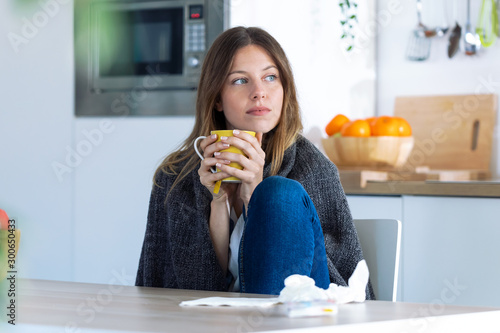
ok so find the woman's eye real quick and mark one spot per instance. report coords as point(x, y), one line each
point(240, 81)
point(271, 78)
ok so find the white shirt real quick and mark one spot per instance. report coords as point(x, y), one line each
point(234, 249)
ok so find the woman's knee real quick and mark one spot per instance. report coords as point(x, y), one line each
point(279, 189)
point(282, 196)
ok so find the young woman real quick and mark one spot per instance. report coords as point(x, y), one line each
point(289, 214)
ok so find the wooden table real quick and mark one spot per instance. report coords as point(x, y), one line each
point(54, 306)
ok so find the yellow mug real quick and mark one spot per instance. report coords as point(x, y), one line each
point(231, 149)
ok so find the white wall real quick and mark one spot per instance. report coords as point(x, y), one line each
point(439, 75)
point(36, 123)
point(112, 188)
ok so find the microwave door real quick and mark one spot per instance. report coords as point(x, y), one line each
point(132, 45)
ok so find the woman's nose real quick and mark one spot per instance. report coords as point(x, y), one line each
point(258, 91)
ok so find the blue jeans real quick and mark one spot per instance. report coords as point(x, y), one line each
point(282, 236)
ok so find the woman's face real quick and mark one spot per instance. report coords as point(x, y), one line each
point(252, 94)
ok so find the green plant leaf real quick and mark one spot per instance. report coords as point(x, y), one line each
point(348, 17)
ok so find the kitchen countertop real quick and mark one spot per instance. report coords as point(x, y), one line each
point(483, 188)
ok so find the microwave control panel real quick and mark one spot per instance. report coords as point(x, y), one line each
point(196, 37)
point(196, 34)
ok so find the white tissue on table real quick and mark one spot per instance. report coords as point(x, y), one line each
point(232, 301)
point(356, 289)
point(300, 288)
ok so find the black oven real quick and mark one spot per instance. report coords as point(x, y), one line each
point(136, 57)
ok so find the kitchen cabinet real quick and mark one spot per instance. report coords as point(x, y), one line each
point(375, 207)
point(450, 252)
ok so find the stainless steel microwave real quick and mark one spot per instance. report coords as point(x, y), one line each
point(136, 57)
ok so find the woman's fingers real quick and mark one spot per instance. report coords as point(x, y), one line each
point(209, 179)
point(248, 143)
point(246, 175)
point(252, 161)
point(210, 147)
point(209, 164)
point(206, 145)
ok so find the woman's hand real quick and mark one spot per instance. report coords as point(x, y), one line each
point(209, 146)
point(219, 214)
point(252, 163)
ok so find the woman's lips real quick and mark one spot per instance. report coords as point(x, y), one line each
point(258, 111)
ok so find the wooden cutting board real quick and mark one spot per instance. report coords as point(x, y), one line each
point(451, 132)
point(360, 178)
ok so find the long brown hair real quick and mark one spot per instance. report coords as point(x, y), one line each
point(214, 72)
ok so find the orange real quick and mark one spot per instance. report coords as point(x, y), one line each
point(404, 127)
point(385, 126)
point(358, 127)
point(335, 124)
point(371, 121)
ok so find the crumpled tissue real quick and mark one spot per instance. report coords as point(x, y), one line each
point(300, 288)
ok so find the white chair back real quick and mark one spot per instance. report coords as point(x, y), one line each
point(381, 242)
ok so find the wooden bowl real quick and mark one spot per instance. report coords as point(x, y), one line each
point(374, 151)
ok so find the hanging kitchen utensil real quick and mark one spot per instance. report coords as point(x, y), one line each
point(456, 33)
point(498, 21)
point(471, 39)
point(441, 30)
point(419, 45)
point(423, 30)
point(418, 48)
point(487, 27)
point(454, 41)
